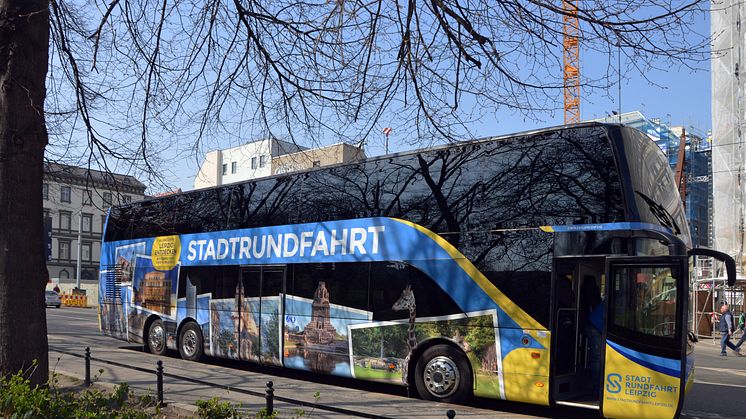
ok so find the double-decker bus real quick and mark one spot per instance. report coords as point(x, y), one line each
point(548, 267)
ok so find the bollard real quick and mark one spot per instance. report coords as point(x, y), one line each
point(270, 398)
point(87, 366)
point(159, 377)
point(451, 414)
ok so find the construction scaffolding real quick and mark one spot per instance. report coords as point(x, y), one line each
point(707, 295)
point(728, 124)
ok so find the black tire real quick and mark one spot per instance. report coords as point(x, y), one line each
point(443, 374)
point(155, 340)
point(191, 344)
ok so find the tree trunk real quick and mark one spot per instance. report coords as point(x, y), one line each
point(24, 50)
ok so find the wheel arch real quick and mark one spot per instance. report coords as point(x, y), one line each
point(183, 323)
point(146, 327)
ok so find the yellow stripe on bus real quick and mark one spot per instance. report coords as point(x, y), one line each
point(523, 319)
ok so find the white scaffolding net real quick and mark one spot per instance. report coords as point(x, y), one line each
point(728, 117)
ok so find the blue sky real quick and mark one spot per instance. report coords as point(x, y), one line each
point(678, 96)
point(682, 97)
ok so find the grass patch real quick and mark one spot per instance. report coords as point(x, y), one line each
point(20, 399)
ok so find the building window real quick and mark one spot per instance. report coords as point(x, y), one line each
point(107, 199)
point(103, 223)
point(47, 214)
point(63, 249)
point(316, 163)
point(126, 199)
point(85, 251)
point(64, 274)
point(65, 194)
point(253, 163)
point(87, 222)
point(225, 169)
point(87, 197)
point(65, 220)
point(45, 191)
point(234, 167)
point(262, 161)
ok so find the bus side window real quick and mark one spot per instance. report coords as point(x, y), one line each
point(346, 283)
point(226, 280)
point(220, 281)
point(389, 279)
point(251, 276)
point(181, 288)
point(196, 276)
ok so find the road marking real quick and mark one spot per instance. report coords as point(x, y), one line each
point(718, 384)
point(738, 372)
point(68, 316)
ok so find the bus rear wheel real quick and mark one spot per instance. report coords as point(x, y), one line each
point(156, 343)
point(191, 345)
point(442, 374)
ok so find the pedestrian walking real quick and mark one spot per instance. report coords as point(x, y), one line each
point(742, 327)
point(727, 327)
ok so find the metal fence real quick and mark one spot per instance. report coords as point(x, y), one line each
point(268, 394)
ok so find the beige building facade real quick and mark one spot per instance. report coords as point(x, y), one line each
point(75, 196)
point(317, 157)
point(236, 164)
point(268, 157)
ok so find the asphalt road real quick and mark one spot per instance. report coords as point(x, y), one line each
point(719, 390)
point(720, 384)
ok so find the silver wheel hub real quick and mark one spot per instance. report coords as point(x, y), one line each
point(441, 376)
point(156, 338)
point(189, 343)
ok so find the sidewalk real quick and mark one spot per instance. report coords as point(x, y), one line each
point(711, 346)
point(185, 393)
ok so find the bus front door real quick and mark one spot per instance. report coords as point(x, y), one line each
point(577, 290)
point(645, 339)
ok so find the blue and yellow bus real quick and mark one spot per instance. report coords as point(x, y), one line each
point(548, 267)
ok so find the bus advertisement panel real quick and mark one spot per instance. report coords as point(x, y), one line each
point(344, 335)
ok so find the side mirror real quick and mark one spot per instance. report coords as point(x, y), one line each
point(730, 264)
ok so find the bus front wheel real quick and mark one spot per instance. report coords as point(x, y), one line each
point(191, 344)
point(156, 343)
point(442, 374)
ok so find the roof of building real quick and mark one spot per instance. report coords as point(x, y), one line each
point(167, 193)
point(83, 175)
point(282, 143)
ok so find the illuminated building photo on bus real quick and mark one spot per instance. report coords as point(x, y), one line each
point(154, 290)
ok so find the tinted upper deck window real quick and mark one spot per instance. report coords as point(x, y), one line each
point(565, 176)
point(655, 193)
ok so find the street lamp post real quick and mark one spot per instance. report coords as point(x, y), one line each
point(80, 247)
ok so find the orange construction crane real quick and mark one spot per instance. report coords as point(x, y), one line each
point(571, 60)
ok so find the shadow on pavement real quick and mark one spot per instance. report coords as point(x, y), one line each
point(479, 402)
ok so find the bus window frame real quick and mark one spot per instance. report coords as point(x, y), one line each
point(680, 262)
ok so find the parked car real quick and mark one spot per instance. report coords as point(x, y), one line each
point(51, 298)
